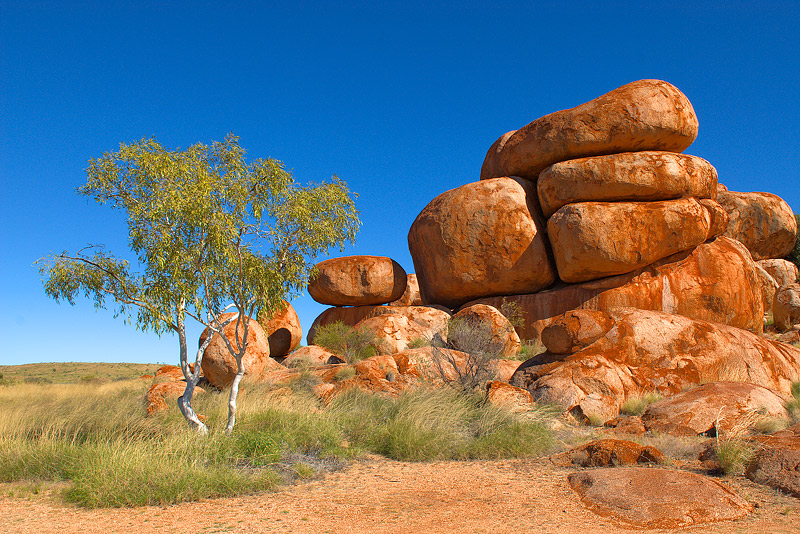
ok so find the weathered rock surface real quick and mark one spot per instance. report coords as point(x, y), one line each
point(220, 368)
point(411, 296)
point(378, 374)
point(763, 222)
point(311, 355)
point(502, 331)
point(786, 306)
point(767, 286)
point(777, 461)
point(576, 330)
point(783, 271)
point(508, 396)
point(650, 351)
point(283, 330)
point(480, 239)
point(630, 176)
point(358, 281)
point(716, 282)
point(714, 407)
point(610, 453)
point(657, 498)
point(433, 318)
point(642, 115)
point(394, 331)
point(586, 247)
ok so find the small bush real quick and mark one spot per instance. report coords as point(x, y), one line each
point(475, 339)
point(793, 405)
point(418, 343)
point(638, 405)
point(529, 349)
point(345, 373)
point(513, 312)
point(353, 344)
point(733, 455)
point(794, 256)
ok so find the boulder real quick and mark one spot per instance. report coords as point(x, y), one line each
point(630, 425)
point(657, 498)
point(357, 281)
point(718, 217)
point(219, 366)
point(394, 331)
point(506, 369)
point(508, 396)
point(777, 461)
point(433, 318)
point(431, 364)
point(650, 351)
point(710, 408)
point(311, 355)
point(639, 176)
point(161, 392)
point(786, 306)
point(767, 286)
point(480, 239)
point(586, 247)
point(378, 374)
point(502, 331)
point(763, 222)
point(610, 453)
point(642, 115)
point(576, 330)
point(716, 282)
point(283, 330)
point(783, 271)
point(411, 296)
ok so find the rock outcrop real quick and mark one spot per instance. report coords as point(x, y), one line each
point(630, 176)
point(777, 461)
point(283, 330)
point(411, 296)
point(357, 281)
point(480, 239)
point(786, 306)
point(783, 271)
point(642, 115)
point(502, 331)
point(610, 453)
point(763, 222)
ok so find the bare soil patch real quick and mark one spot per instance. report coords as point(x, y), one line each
point(378, 495)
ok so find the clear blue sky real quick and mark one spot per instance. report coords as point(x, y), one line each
point(400, 99)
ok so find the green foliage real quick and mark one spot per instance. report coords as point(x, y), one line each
point(638, 405)
point(793, 404)
point(351, 344)
point(418, 343)
point(733, 455)
point(513, 312)
point(529, 349)
point(794, 256)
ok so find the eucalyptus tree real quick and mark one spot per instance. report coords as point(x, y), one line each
point(210, 232)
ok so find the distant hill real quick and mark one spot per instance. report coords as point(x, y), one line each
point(72, 372)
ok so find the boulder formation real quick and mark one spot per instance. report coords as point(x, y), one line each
point(502, 331)
point(777, 461)
point(786, 306)
point(283, 330)
point(642, 115)
point(782, 271)
point(357, 281)
point(411, 296)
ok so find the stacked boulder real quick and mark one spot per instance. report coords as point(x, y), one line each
point(596, 207)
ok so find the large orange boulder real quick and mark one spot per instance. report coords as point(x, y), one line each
point(713, 407)
point(220, 367)
point(642, 115)
point(777, 461)
point(610, 453)
point(312, 355)
point(768, 287)
point(640, 176)
point(763, 222)
point(648, 351)
point(587, 247)
point(480, 239)
point(575, 330)
point(786, 306)
point(657, 498)
point(717, 282)
point(394, 331)
point(432, 318)
point(782, 271)
point(501, 330)
point(357, 281)
point(283, 330)
point(411, 296)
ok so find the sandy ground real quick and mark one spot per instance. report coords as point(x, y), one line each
point(383, 496)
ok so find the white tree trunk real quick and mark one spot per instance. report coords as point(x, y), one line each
point(234, 394)
point(185, 400)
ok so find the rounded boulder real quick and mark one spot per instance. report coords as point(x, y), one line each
point(283, 330)
point(762, 222)
point(501, 329)
point(357, 281)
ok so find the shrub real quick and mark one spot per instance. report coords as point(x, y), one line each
point(638, 405)
point(352, 344)
point(793, 405)
point(513, 312)
point(344, 373)
point(476, 340)
point(529, 349)
point(794, 255)
point(418, 343)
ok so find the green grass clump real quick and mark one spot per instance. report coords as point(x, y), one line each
point(418, 343)
point(733, 455)
point(529, 349)
point(352, 344)
point(793, 405)
point(638, 405)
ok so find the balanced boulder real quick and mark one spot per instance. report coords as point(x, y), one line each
point(763, 222)
point(639, 176)
point(357, 281)
point(433, 319)
point(593, 240)
point(642, 115)
point(480, 239)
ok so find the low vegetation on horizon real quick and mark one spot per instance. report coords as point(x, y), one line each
point(73, 372)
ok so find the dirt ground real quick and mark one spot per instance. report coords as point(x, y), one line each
point(383, 496)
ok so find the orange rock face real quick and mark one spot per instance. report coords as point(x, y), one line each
point(715, 282)
point(612, 453)
point(433, 318)
point(576, 330)
point(394, 331)
point(639, 176)
point(657, 498)
point(783, 271)
point(768, 286)
point(710, 408)
point(508, 396)
point(480, 239)
point(593, 240)
point(283, 330)
point(763, 222)
point(777, 461)
point(642, 115)
point(786, 306)
point(219, 366)
point(411, 296)
point(358, 281)
point(311, 355)
point(502, 331)
point(649, 351)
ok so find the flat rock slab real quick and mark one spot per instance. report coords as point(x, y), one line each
point(777, 462)
point(657, 498)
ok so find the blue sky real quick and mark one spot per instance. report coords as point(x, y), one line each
point(399, 99)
